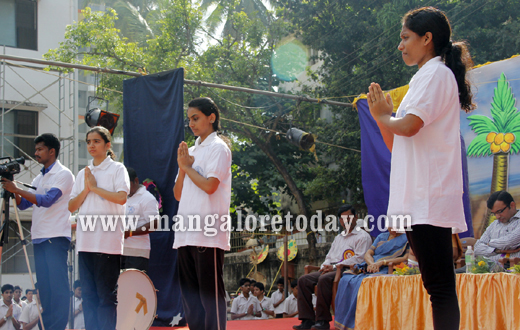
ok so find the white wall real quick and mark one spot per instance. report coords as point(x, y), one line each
point(20, 83)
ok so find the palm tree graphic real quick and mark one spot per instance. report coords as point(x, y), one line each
point(497, 136)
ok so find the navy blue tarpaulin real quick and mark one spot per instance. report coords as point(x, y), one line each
point(153, 120)
point(375, 170)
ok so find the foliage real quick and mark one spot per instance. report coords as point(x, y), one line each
point(406, 269)
point(515, 269)
point(497, 135)
point(358, 39)
point(481, 266)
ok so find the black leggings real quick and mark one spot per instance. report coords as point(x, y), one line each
point(433, 248)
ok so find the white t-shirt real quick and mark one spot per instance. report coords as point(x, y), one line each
point(79, 320)
point(29, 314)
point(426, 173)
point(276, 297)
point(348, 249)
point(17, 311)
point(265, 304)
point(144, 205)
point(291, 305)
point(111, 176)
point(212, 160)
point(241, 304)
point(53, 221)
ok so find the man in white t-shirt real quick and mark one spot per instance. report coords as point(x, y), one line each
point(278, 298)
point(50, 229)
point(348, 248)
point(9, 312)
point(17, 297)
point(30, 317)
point(245, 306)
point(290, 307)
point(141, 205)
point(265, 302)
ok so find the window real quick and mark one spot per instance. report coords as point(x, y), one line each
point(18, 23)
point(21, 127)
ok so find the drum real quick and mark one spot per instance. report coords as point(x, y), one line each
point(136, 301)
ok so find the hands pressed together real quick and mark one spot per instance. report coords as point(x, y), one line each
point(184, 159)
point(90, 180)
point(378, 104)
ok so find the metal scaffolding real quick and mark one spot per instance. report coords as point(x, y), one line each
point(65, 107)
point(60, 110)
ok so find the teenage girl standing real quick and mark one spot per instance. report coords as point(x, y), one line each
point(203, 188)
point(424, 138)
point(101, 188)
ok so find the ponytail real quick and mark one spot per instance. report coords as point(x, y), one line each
point(111, 154)
point(456, 57)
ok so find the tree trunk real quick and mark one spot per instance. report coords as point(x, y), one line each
point(499, 182)
point(298, 196)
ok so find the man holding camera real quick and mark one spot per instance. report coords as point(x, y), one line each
point(50, 230)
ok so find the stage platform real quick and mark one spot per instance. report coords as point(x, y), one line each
point(271, 324)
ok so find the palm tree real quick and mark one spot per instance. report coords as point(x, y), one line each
point(224, 9)
point(497, 136)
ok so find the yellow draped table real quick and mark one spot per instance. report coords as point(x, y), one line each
point(487, 301)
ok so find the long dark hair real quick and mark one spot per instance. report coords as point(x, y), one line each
point(455, 54)
point(207, 106)
point(105, 134)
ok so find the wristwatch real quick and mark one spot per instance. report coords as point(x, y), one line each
point(5, 318)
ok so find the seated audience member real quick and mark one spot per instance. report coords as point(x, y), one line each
point(30, 317)
point(389, 246)
point(265, 303)
point(348, 248)
point(9, 311)
point(502, 237)
point(79, 319)
point(278, 298)
point(245, 306)
point(290, 308)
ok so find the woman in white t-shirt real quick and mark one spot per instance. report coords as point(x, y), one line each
point(100, 193)
point(203, 189)
point(424, 138)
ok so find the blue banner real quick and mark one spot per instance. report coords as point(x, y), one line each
point(153, 119)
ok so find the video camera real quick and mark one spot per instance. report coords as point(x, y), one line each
point(11, 167)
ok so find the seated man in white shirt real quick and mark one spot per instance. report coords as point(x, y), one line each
point(245, 306)
point(265, 302)
point(141, 204)
point(502, 237)
point(348, 248)
point(30, 317)
point(9, 311)
point(290, 307)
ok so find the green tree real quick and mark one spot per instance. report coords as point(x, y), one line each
point(243, 60)
point(223, 11)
